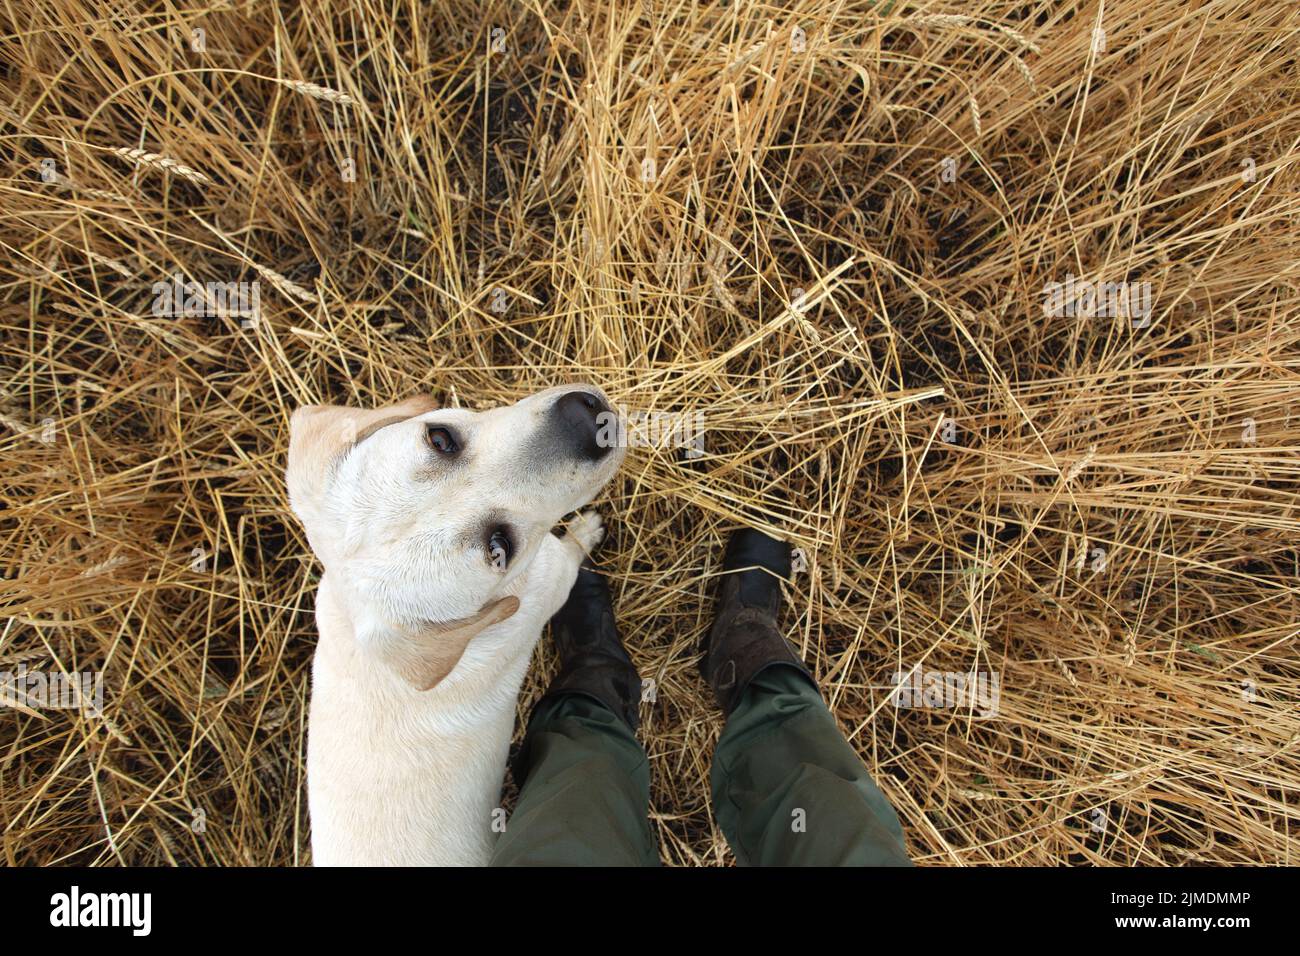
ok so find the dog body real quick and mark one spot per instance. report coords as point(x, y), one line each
point(434, 528)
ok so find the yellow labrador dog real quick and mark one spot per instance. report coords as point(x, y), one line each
point(434, 527)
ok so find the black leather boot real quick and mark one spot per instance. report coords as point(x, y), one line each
point(592, 659)
point(745, 639)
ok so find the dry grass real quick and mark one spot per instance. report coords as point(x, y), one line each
point(1149, 689)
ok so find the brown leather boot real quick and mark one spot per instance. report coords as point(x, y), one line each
point(745, 639)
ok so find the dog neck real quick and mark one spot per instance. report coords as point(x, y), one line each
point(402, 775)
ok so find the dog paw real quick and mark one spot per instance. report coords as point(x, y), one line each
point(588, 529)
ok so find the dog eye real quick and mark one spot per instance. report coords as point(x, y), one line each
point(440, 440)
point(499, 550)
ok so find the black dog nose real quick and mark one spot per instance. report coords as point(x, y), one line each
point(585, 424)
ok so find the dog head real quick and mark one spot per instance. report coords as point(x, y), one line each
point(425, 516)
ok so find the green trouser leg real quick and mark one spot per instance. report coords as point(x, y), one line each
point(584, 791)
point(788, 790)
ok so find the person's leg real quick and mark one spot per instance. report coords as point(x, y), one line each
point(788, 789)
point(584, 791)
point(584, 781)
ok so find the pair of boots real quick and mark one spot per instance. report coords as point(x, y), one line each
point(787, 789)
point(743, 641)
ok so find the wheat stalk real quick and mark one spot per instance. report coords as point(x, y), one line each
point(318, 92)
point(157, 161)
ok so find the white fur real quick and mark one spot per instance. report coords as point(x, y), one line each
point(397, 775)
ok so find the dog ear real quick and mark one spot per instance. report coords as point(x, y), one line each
point(318, 437)
point(425, 657)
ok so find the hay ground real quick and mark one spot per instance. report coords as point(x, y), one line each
point(831, 241)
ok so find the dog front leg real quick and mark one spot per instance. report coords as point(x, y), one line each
point(563, 556)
